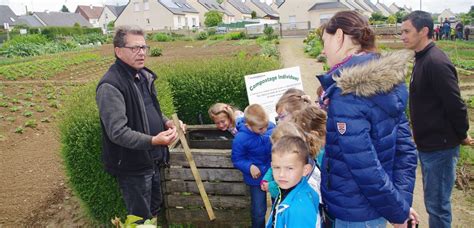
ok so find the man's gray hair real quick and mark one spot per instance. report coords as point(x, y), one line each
point(122, 31)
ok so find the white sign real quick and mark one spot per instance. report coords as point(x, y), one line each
point(6, 26)
point(266, 88)
point(23, 31)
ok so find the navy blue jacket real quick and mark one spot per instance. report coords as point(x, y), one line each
point(368, 170)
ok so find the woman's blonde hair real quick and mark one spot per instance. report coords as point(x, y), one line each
point(312, 120)
point(228, 110)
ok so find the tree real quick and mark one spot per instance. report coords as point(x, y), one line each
point(254, 14)
point(111, 25)
point(212, 18)
point(392, 19)
point(400, 15)
point(65, 9)
point(220, 1)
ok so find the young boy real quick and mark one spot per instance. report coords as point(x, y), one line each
point(297, 204)
point(251, 154)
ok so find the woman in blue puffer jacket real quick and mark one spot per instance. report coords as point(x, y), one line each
point(368, 170)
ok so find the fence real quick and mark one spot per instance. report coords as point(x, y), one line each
point(386, 29)
point(228, 195)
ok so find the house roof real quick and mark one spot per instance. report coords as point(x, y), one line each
point(328, 5)
point(353, 5)
point(61, 19)
point(116, 10)
point(265, 8)
point(240, 6)
point(372, 6)
point(90, 12)
point(7, 16)
point(385, 7)
point(29, 20)
point(213, 5)
point(178, 6)
point(362, 5)
point(278, 3)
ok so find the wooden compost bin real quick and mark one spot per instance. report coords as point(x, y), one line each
point(228, 194)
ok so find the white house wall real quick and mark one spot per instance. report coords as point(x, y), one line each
point(105, 18)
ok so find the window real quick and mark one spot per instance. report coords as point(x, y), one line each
point(324, 18)
point(194, 22)
point(185, 4)
point(148, 20)
point(146, 5)
point(178, 4)
point(106, 16)
point(179, 20)
point(186, 21)
point(137, 6)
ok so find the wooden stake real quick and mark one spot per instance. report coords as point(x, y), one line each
point(194, 169)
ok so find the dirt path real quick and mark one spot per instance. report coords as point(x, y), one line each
point(292, 54)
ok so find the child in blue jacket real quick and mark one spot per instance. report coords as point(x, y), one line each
point(297, 205)
point(251, 154)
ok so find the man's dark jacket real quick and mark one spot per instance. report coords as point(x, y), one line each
point(126, 138)
point(437, 111)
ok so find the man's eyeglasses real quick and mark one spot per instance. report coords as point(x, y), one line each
point(136, 49)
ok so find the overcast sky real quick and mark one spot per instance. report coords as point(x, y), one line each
point(433, 6)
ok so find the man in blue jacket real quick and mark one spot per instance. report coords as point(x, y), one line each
point(438, 116)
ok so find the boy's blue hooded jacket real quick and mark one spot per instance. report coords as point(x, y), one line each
point(368, 170)
point(300, 208)
point(249, 148)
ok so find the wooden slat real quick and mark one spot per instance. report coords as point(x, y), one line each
point(188, 201)
point(219, 188)
point(203, 158)
point(198, 217)
point(229, 175)
point(194, 169)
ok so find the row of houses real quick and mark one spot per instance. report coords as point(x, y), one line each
point(179, 14)
point(84, 16)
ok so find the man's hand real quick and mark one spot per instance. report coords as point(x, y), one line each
point(468, 141)
point(255, 172)
point(165, 137)
point(170, 124)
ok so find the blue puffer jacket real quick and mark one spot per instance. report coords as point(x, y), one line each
point(249, 148)
point(369, 167)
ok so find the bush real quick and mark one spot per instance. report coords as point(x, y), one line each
point(269, 50)
point(235, 36)
point(162, 37)
point(202, 36)
point(156, 51)
point(54, 32)
point(91, 38)
point(211, 81)
point(81, 151)
point(217, 37)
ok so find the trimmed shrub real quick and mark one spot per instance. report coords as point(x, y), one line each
point(198, 85)
point(202, 36)
point(54, 32)
point(162, 37)
point(82, 148)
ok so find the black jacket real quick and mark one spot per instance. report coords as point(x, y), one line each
point(437, 111)
point(126, 139)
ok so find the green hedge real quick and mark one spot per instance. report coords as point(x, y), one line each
point(53, 32)
point(81, 151)
point(197, 85)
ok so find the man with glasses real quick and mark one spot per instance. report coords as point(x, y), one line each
point(135, 133)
